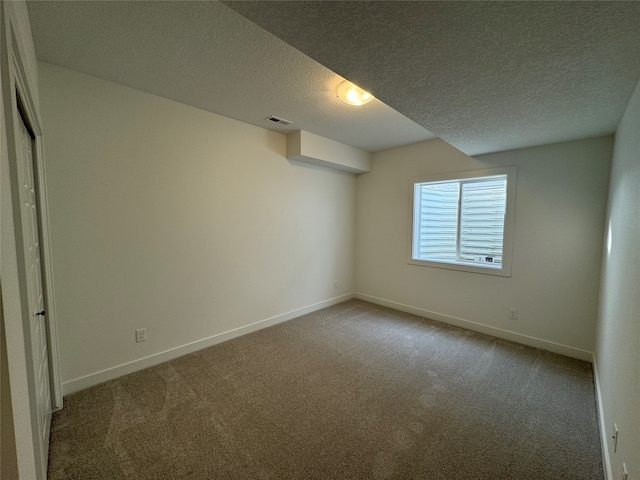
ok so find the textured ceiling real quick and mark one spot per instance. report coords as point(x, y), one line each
point(484, 76)
point(206, 55)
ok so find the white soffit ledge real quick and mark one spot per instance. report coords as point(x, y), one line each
point(306, 147)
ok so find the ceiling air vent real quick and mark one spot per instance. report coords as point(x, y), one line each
point(278, 120)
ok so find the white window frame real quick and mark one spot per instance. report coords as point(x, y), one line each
point(503, 270)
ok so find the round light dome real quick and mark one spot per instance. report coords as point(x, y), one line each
point(352, 94)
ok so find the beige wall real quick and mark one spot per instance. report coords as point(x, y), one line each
point(183, 222)
point(618, 337)
point(560, 206)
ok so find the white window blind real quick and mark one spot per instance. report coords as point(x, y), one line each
point(460, 221)
point(438, 233)
point(483, 205)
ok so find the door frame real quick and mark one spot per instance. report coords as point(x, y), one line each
point(19, 102)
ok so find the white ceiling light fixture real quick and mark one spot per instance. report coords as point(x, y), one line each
point(352, 94)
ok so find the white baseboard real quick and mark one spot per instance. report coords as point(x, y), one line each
point(478, 327)
point(92, 379)
point(606, 461)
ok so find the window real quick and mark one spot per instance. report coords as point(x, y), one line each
point(464, 221)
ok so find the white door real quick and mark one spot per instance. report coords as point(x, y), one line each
point(35, 293)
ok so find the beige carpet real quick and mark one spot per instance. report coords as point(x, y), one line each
point(354, 391)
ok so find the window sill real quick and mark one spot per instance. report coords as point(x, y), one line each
point(486, 269)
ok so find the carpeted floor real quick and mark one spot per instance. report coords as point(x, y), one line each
point(354, 391)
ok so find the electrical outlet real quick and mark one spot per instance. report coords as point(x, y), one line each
point(335, 284)
point(625, 475)
point(141, 335)
point(615, 438)
point(513, 313)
